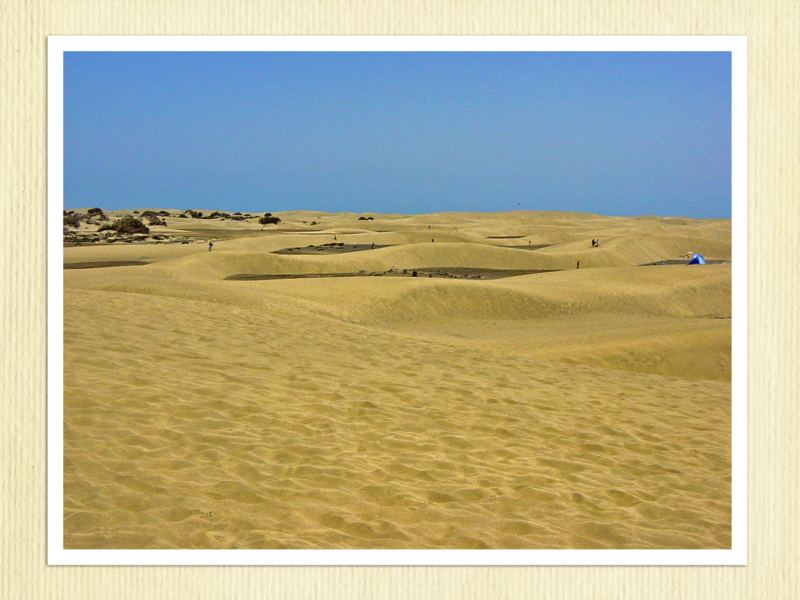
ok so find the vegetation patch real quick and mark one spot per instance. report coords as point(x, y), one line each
point(268, 219)
point(72, 219)
point(127, 225)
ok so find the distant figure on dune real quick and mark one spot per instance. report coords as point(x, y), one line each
point(596, 243)
point(431, 239)
point(210, 245)
point(373, 245)
point(578, 266)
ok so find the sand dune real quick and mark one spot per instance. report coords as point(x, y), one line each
point(573, 409)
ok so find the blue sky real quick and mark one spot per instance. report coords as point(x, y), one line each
point(413, 132)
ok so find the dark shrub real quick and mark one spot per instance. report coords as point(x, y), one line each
point(365, 219)
point(127, 225)
point(269, 220)
point(155, 221)
point(72, 219)
point(97, 214)
point(182, 216)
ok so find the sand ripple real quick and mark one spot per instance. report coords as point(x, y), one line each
point(245, 424)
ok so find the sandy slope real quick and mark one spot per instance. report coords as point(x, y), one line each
point(580, 408)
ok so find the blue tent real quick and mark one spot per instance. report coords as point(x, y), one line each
point(697, 259)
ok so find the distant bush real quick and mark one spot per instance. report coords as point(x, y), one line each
point(72, 219)
point(365, 219)
point(182, 216)
point(195, 214)
point(155, 221)
point(126, 224)
point(269, 220)
point(149, 214)
point(97, 213)
point(218, 215)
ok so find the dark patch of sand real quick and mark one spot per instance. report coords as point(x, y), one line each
point(529, 246)
point(332, 248)
point(427, 272)
point(223, 234)
point(684, 261)
point(477, 273)
point(103, 264)
point(323, 231)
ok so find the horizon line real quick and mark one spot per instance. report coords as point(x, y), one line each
point(378, 212)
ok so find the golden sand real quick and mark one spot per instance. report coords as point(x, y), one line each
point(581, 408)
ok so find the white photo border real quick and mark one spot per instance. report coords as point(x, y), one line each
point(57, 45)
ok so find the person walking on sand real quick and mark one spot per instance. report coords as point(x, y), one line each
point(210, 245)
point(578, 266)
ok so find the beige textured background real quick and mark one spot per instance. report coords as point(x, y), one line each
point(774, 216)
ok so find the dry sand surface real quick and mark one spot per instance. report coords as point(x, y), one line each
point(573, 408)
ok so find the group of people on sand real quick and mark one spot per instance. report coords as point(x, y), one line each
point(595, 244)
